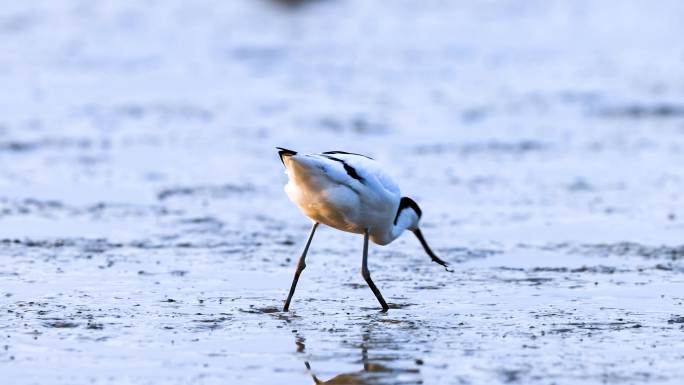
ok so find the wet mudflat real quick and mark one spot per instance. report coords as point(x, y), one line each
point(145, 237)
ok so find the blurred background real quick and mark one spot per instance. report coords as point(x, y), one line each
point(145, 236)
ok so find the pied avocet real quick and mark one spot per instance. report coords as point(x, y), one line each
point(351, 193)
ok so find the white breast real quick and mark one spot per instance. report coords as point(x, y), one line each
point(348, 192)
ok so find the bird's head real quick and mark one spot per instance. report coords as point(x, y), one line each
point(408, 216)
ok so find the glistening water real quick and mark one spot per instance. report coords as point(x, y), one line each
point(145, 237)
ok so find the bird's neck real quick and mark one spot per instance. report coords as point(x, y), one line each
point(405, 221)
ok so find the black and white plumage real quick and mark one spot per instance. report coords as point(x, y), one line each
point(350, 192)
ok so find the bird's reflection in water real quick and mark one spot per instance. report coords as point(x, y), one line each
point(373, 372)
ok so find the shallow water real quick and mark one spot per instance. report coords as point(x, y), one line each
point(145, 237)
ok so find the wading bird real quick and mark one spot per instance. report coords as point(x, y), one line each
point(350, 192)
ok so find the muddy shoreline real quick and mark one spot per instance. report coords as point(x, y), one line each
point(145, 237)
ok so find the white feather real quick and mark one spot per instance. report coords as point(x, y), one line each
point(350, 192)
point(327, 193)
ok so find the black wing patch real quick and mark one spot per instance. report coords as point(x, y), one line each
point(407, 202)
point(351, 171)
point(346, 153)
point(285, 152)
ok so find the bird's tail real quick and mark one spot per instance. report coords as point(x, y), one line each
point(285, 152)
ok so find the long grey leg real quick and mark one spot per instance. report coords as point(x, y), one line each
point(308, 367)
point(366, 274)
point(301, 264)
